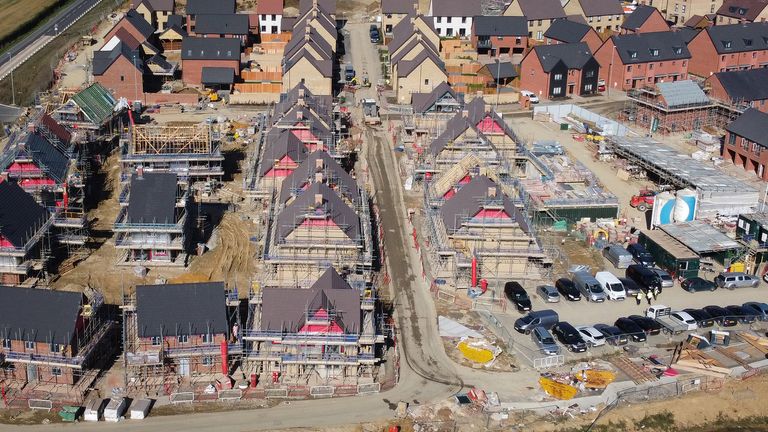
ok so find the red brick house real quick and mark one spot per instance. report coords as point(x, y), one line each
point(635, 60)
point(207, 7)
point(568, 31)
point(723, 48)
point(121, 70)
point(135, 25)
point(746, 142)
point(199, 53)
point(500, 35)
point(644, 19)
point(222, 26)
point(744, 88)
point(558, 71)
point(740, 11)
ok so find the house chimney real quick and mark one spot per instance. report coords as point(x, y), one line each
point(307, 34)
point(314, 4)
point(301, 93)
point(318, 199)
point(318, 164)
point(300, 102)
point(492, 192)
point(319, 177)
point(413, 20)
point(418, 36)
point(140, 172)
point(299, 115)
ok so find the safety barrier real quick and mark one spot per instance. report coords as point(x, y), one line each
point(40, 404)
point(233, 394)
point(182, 397)
point(321, 391)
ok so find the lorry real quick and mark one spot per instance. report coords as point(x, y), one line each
point(349, 73)
point(371, 112)
point(643, 200)
point(671, 322)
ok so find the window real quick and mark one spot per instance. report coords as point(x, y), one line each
point(263, 29)
point(540, 22)
point(7, 343)
point(463, 20)
point(539, 35)
point(558, 77)
point(557, 90)
point(439, 19)
point(589, 73)
point(207, 361)
point(122, 77)
point(518, 41)
point(183, 339)
point(650, 66)
point(274, 17)
point(208, 338)
point(727, 44)
point(590, 19)
point(55, 348)
point(29, 345)
point(598, 19)
point(654, 52)
point(426, 81)
point(588, 87)
point(676, 5)
point(448, 20)
point(629, 68)
point(682, 265)
point(678, 50)
point(684, 63)
point(56, 371)
point(712, 10)
point(155, 340)
point(633, 54)
point(754, 55)
point(683, 9)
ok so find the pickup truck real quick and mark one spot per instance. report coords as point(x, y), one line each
point(671, 322)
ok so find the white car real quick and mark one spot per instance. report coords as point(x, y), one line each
point(592, 336)
point(531, 96)
point(684, 319)
point(612, 286)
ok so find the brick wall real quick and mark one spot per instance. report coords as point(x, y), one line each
point(716, 91)
point(752, 158)
point(192, 70)
point(20, 370)
point(123, 79)
point(625, 77)
point(532, 76)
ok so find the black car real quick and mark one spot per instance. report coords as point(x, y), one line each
point(613, 335)
point(641, 256)
point(720, 315)
point(631, 329)
point(643, 276)
point(649, 325)
point(701, 316)
point(517, 295)
point(741, 313)
point(696, 284)
point(569, 336)
point(567, 289)
point(631, 287)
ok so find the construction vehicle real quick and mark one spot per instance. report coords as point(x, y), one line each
point(371, 112)
point(643, 200)
point(212, 95)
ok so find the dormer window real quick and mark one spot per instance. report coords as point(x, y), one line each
point(727, 44)
point(677, 50)
point(633, 54)
point(747, 42)
point(742, 11)
point(654, 52)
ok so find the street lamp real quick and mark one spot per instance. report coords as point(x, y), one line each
point(610, 71)
point(13, 89)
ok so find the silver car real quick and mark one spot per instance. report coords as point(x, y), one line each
point(736, 280)
point(548, 293)
point(545, 341)
point(664, 277)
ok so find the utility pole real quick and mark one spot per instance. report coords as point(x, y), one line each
point(13, 89)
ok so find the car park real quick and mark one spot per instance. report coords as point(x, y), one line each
point(517, 296)
point(548, 293)
point(569, 337)
point(696, 284)
point(685, 319)
point(720, 315)
point(641, 256)
point(664, 278)
point(742, 314)
point(733, 280)
point(544, 318)
point(759, 309)
point(631, 329)
point(672, 322)
point(703, 319)
point(649, 325)
point(613, 335)
point(611, 285)
point(617, 255)
point(592, 336)
point(567, 289)
point(589, 287)
point(644, 276)
point(530, 95)
point(545, 341)
point(630, 287)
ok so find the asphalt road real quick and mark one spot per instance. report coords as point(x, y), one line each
point(18, 53)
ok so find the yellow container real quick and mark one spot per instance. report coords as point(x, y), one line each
point(736, 267)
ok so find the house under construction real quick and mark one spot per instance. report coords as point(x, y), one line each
point(191, 152)
point(54, 343)
point(93, 112)
point(153, 226)
point(327, 334)
point(180, 334)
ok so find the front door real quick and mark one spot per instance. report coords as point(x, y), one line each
point(184, 367)
point(570, 88)
point(31, 373)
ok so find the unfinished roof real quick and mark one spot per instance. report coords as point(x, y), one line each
point(472, 198)
point(651, 47)
point(500, 26)
point(300, 92)
point(234, 24)
point(751, 124)
point(96, 103)
point(567, 31)
point(217, 75)
point(152, 199)
point(319, 166)
point(734, 38)
point(181, 309)
point(542, 9)
point(455, 8)
point(397, 6)
point(103, 60)
point(456, 126)
point(317, 119)
point(330, 209)
point(670, 244)
point(195, 7)
point(198, 48)
point(39, 315)
point(422, 102)
point(282, 144)
point(638, 17)
point(682, 93)
point(20, 215)
point(269, 7)
point(594, 8)
point(56, 129)
point(139, 23)
point(700, 237)
point(747, 10)
point(573, 56)
point(47, 156)
point(286, 309)
point(745, 85)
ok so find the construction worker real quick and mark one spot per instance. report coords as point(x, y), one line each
point(648, 295)
point(656, 292)
point(639, 297)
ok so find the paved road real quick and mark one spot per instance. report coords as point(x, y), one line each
point(21, 51)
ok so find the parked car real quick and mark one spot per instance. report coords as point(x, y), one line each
point(644, 276)
point(617, 255)
point(611, 285)
point(548, 293)
point(664, 278)
point(517, 296)
point(567, 289)
point(641, 255)
point(684, 319)
point(349, 72)
point(544, 318)
point(374, 33)
point(592, 336)
point(545, 341)
point(720, 315)
point(530, 95)
point(759, 309)
point(631, 329)
point(696, 284)
point(630, 287)
point(742, 314)
point(733, 280)
point(701, 316)
point(613, 335)
point(589, 286)
point(569, 336)
point(649, 325)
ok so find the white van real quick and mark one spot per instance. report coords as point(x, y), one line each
point(611, 285)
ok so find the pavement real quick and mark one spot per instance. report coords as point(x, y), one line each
point(41, 36)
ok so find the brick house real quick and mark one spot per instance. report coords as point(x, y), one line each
point(198, 53)
point(740, 11)
point(453, 18)
point(635, 60)
point(540, 14)
point(121, 70)
point(723, 48)
point(644, 19)
point(283, 153)
point(557, 71)
point(175, 32)
point(500, 35)
point(137, 27)
point(744, 88)
point(669, 107)
point(601, 15)
point(567, 31)
point(207, 7)
point(392, 12)
point(222, 26)
point(270, 14)
point(155, 12)
point(746, 142)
